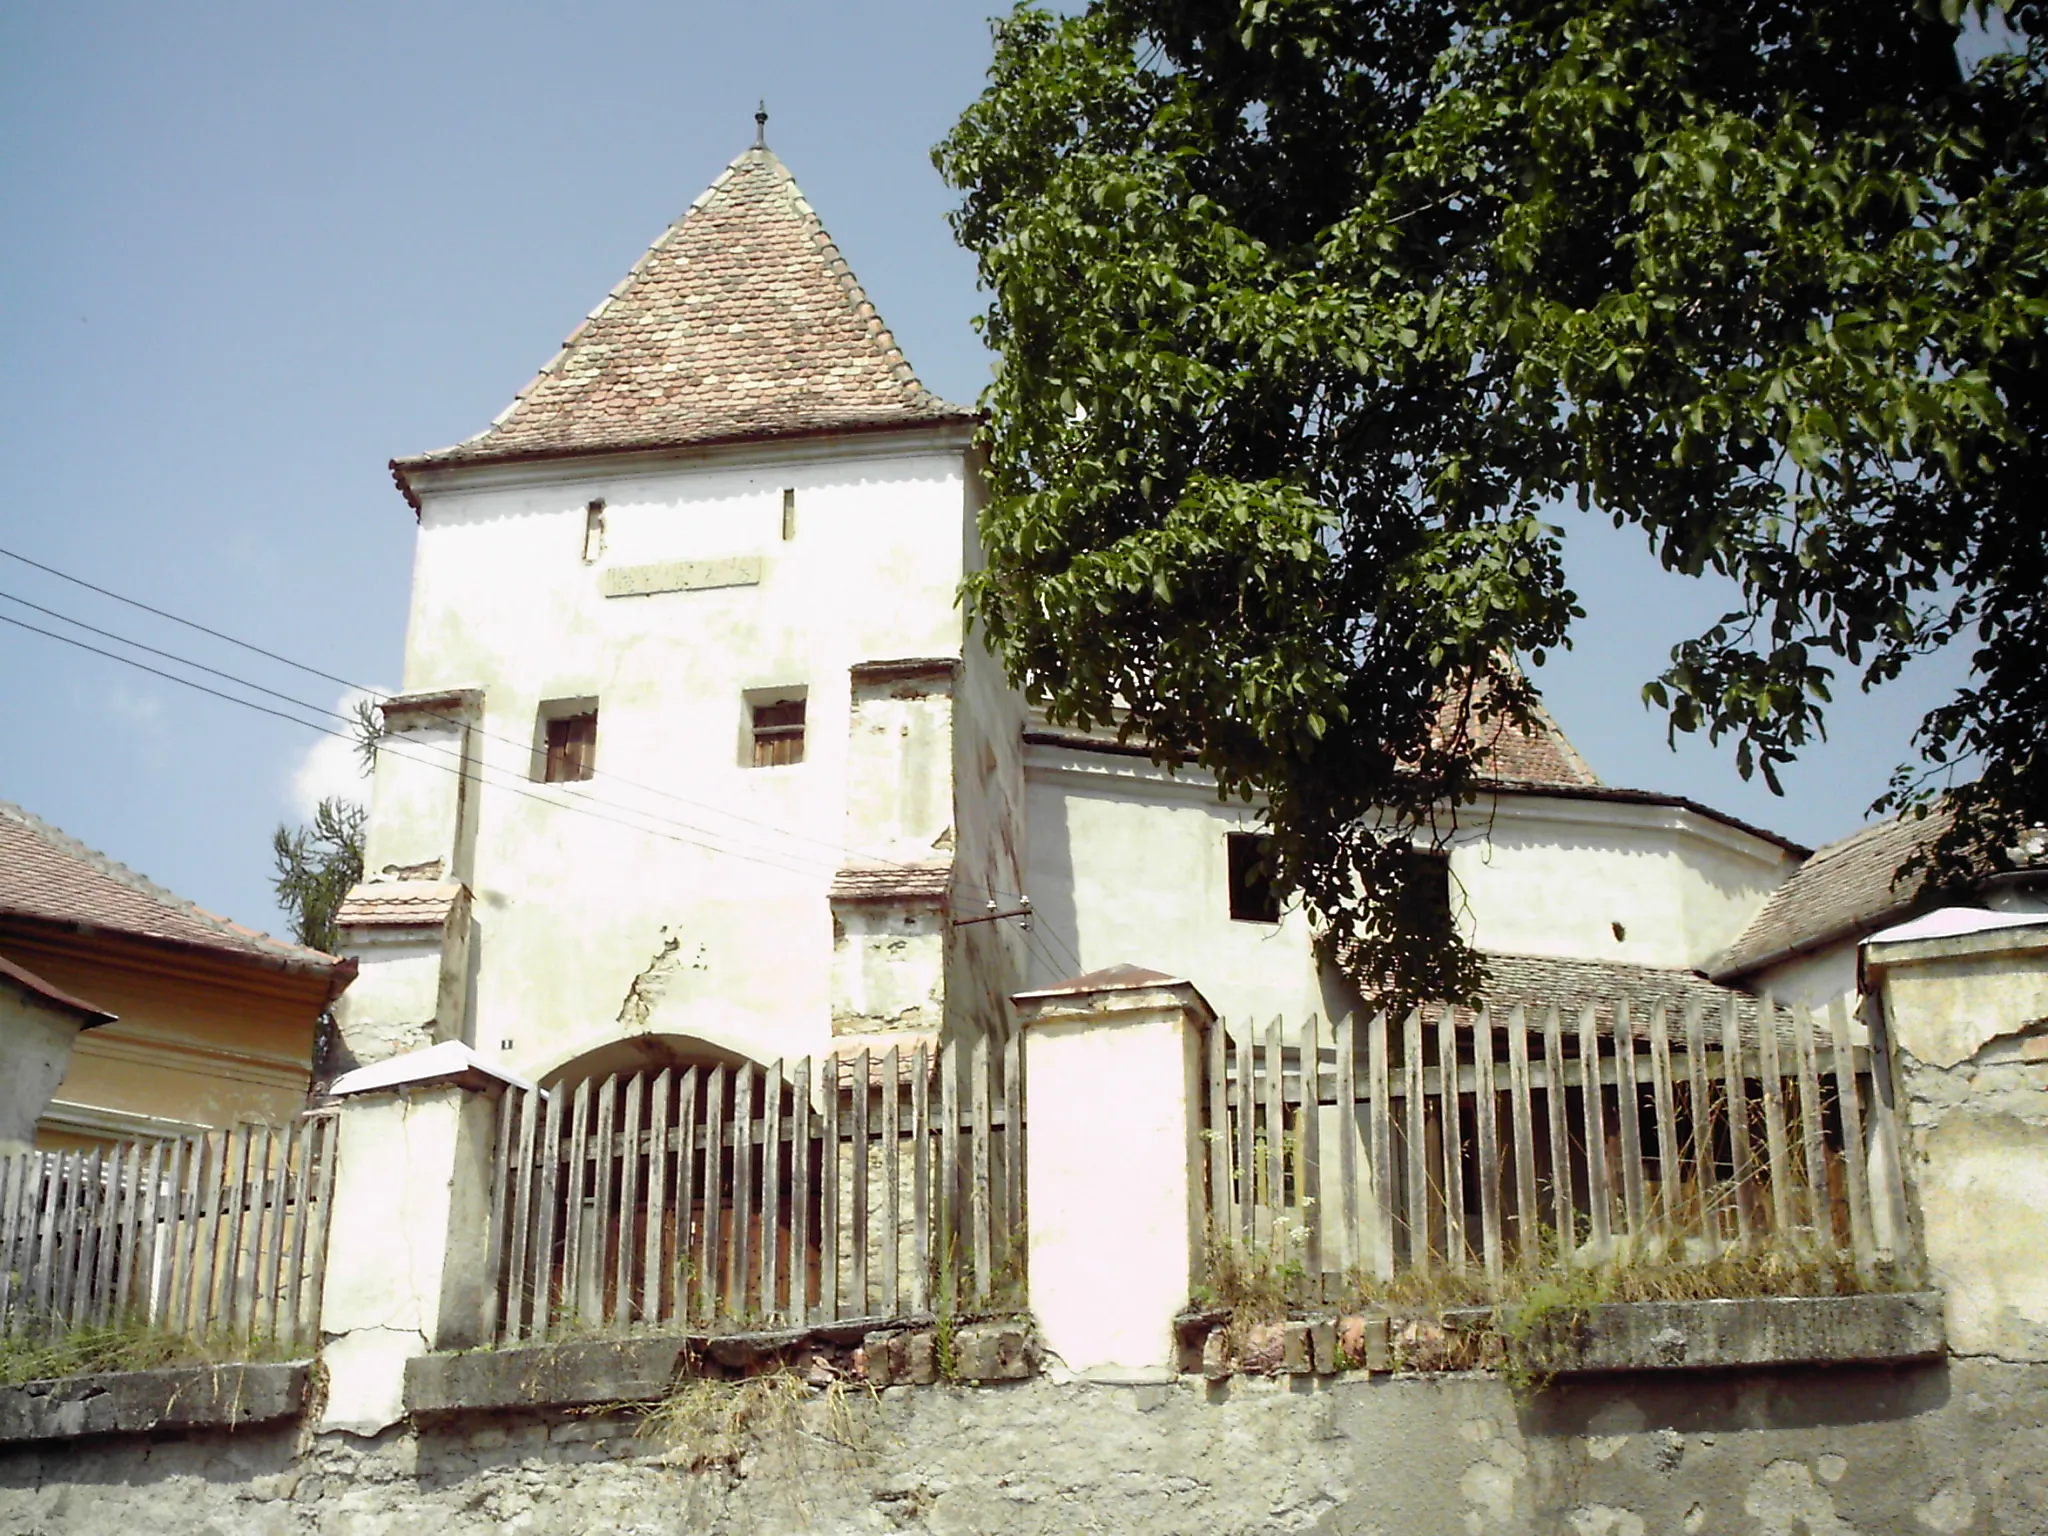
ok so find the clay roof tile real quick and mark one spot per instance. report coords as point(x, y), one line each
point(743, 320)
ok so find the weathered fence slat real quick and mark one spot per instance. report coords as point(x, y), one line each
point(733, 1295)
point(1820, 1212)
point(600, 1150)
point(1522, 1128)
point(1784, 1216)
point(1486, 1108)
point(1013, 1148)
point(769, 1299)
point(1599, 1188)
point(654, 1268)
point(921, 1178)
point(1417, 1169)
point(1743, 1164)
point(622, 1308)
point(856, 1301)
point(800, 1246)
point(1308, 1178)
point(828, 1178)
point(1349, 1214)
point(1247, 1144)
point(711, 1260)
point(1861, 1241)
point(1663, 1218)
point(1381, 1173)
point(1557, 1106)
point(984, 1253)
point(1628, 1118)
point(1705, 1161)
point(1222, 1205)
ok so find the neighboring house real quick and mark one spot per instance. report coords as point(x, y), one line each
point(1801, 945)
point(697, 759)
point(193, 1021)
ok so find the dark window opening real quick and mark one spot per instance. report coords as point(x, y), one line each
point(1424, 899)
point(572, 748)
point(778, 733)
point(1253, 898)
point(788, 513)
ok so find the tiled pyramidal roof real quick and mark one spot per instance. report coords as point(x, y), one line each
point(743, 320)
point(49, 877)
point(1537, 754)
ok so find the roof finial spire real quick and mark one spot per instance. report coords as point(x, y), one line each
point(761, 125)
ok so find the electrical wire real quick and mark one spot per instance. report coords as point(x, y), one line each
point(839, 850)
point(769, 857)
point(513, 787)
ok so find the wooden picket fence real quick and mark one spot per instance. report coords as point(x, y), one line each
point(1478, 1146)
point(219, 1233)
point(734, 1196)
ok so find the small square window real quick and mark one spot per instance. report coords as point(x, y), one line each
point(571, 748)
point(1253, 898)
point(778, 733)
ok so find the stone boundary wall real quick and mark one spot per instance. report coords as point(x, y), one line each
point(1946, 1446)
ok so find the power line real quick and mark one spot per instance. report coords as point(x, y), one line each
point(183, 661)
point(80, 581)
point(514, 788)
point(769, 857)
point(410, 750)
point(839, 850)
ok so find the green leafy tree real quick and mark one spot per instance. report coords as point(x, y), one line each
point(316, 866)
point(1308, 311)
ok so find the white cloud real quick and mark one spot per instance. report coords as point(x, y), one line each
point(330, 767)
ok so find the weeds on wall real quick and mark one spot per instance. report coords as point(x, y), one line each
point(705, 1423)
point(92, 1351)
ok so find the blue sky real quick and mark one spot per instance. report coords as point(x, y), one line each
point(253, 252)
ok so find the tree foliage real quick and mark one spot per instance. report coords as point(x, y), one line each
point(316, 866)
point(1307, 311)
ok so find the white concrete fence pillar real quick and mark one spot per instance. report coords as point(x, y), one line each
point(1965, 998)
point(409, 1230)
point(1113, 1064)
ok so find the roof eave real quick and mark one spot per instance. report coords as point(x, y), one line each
point(403, 469)
point(1723, 970)
point(310, 963)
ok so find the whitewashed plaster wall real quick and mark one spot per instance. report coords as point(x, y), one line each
point(35, 1053)
point(1128, 863)
point(1815, 979)
point(678, 892)
point(1608, 879)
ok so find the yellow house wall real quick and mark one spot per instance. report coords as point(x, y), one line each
point(197, 1042)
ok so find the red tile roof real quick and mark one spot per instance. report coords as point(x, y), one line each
point(1509, 753)
point(742, 321)
point(398, 904)
point(48, 877)
point(1844, 890)
point(928, 881)
point(1536, 983)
